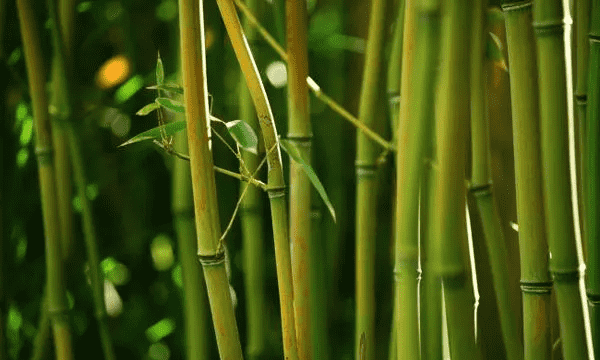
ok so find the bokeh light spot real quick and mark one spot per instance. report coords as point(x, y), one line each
point(277, 74)
point(22, 157)
point(113, 72)
point(162, 252)
point(159, 330)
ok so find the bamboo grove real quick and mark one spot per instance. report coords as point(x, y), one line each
point(455, 216)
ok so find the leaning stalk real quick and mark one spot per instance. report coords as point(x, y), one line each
point(252, 229)
point(210, 249)
point(555, 114)
point(452, 113)
point(276, 183)
point(593, 178)
point(57, 305)
point(481, 187)
point(536, 284)
point(300, 132)
point(366, 186)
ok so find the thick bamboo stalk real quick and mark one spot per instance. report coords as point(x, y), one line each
point(593, 178)
point(536, 284)
point(452, 113)
point(194, 291)
point(300, 132)
point(252, 227)
point(481, 187)
point(548, 17)
point(366, 187)
point(210, 250)
point(276, 183)
point(57, 305)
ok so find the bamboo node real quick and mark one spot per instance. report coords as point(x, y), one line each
point(212, 260)
point(516, 6)
point(44, 154)
point(300, 140)
point(276, 191)
point(58, 314)
point(365, 169)
point(533, 287)
point(481, 189)
point(565, 275)
point(549, 27)
point(594, 38)
point(593, 299)
point(581, 99)
point(454, 281)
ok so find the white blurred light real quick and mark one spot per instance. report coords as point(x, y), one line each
point(112, 300)
point(277, 74)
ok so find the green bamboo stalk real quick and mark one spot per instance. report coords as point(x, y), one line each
point(194, 292)
point(582, 27)
point(210, 249)
point(276, 183)
point(300, 132)
point(548, 17)
point(252, 227)
point(593, 177)
point(57, 306)
point(366, 186)
point(452, 113)
point(536, 284)
point(395, 66)
point(481, 187)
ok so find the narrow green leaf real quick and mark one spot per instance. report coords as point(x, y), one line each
point(171, 105)
point(160, 71)
point(167, 87)
point(495, 51)
point(244, 135)
point(292, 150)
point(155, 133)
point(147, 109)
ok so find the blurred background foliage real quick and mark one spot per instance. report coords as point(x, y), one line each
point(116, 45)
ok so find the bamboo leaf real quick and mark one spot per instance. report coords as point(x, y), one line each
point(155, 133)
point(167, 87)
point(495, 51)
point(160, 71)
point(291, 149)
point(171, 105)
point(147, 109)
point(243, 134)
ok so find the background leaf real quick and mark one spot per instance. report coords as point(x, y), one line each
point(244, 135)
point(160, 71)
point(155, 133)
point(147, 109)
point(172, 105)
point(167, 87)
point(292, 150)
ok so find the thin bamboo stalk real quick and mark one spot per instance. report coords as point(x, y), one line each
point(252, 227)
point(548, 17)
point(210, 250)
point(276, 183)
point(536, 284)
point(395, 66)
point(366, 187)
point(300, 132)
point(452, 113)
point(57, 306)
point(593, 178)
point(194, 291)
point(481, 187)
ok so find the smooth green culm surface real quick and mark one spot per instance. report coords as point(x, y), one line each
point(548, 23)
point(593, 178)
point(536, 285)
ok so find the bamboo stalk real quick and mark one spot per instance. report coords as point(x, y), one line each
point(276, 183)
point(395, 66)
point(366, 187)
point(593, 177)
point(548, 17)
point(536, 284)
point(452, 113)
point(300, 133)
point(210, 250)
point(252, 228)
point(57, 307)
point(481, 187)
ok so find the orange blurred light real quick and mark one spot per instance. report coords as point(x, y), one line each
point(113, 72)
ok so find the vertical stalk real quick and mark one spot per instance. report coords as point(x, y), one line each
point(300, 132)
point(366, 186)
point(194, 292)
point(210, 250)
point(57, 304)
point(548, 17)
point(452, 114)
point(395, 66)
point(481, 187)
point(536, 284)
point(593, 178)
point(276, 183)
point(252, 227)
